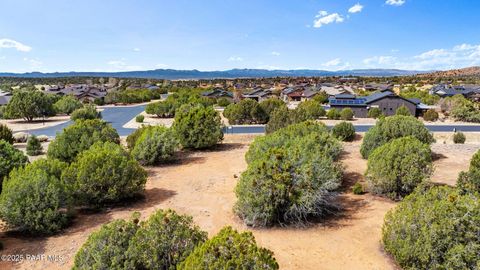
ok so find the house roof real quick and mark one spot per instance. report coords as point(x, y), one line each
point(352, 100)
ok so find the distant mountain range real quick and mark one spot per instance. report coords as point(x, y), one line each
point(173, 74)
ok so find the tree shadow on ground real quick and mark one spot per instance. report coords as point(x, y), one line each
point(438, 156)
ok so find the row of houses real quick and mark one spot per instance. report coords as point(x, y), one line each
point(447, 90)
point(83, 92)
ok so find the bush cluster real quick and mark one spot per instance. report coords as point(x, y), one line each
point(155, 145)
point(459, 138)
point(430, 115)
point(197, 127)
point(168, 107)
point(67, 105)
point(167, 240)
point(374, 113)
point(128, 96)
point(290, 176)
point(223, 102)
point(461, 109)
point(396, 168)
point(333, 114)
point(346, 114)
point(283, 117)
point(344, 131)
point(403, 110)
point(230, 250)
point(393, 127)
point(10, 158)
point(105, 173)
point(88, 112)
point(6, 134)
point(434, 228)
point(247, 111)
point(34, 199)
point(79, 137)
point(469, 181)
point(34, 147)
point(139, 118)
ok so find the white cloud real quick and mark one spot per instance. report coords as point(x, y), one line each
point(275, 53)
point(333, 62)
point(463, 55)
point(336, 64)
point(136, 49)
point(323, 18)
point(356, 8)
point(235, 59)
point(379, 60)
point(395, 2)
point(10, 43)
point(33, 63)
point(121, 65)
point(161, 66)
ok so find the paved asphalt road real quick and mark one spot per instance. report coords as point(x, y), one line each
point(119, 116)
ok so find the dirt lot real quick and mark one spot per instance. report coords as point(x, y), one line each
point(201, 184)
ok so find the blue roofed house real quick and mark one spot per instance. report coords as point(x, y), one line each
point(387, 101)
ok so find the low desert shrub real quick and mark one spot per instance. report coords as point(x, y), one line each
point(230, 250)
point(333, 114)
point(163, 241)
point(310, 110)
point(393, 127)
point(290, 176)
point(139, 118)
point(88, 112)
point(271, 104)
point(10, 158)
point(162, 109)
point(403, 110)
point(34, 147)
point(155, 145)
point(79, 137)
point(198, 127)
point(374, 113)
point(344, 131)
point(223, 102)
point(133, 137)
point(107, 247)
point(436, 228)
point(357, 189)
point(105, 173)
point(459, 138)
point(247, 111)
point(6, 134)
point(430, 115)
point(34, 199)
point(346, 114)
point(67, 104)
point(469, 181)
point(396, 168)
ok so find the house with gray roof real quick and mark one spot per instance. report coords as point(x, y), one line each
point(387, 101)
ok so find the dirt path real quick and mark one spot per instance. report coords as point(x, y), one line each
point(201, 184)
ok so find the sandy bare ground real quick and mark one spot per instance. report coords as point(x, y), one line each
point(20, 124)
point(201, 184)
point(149, 120)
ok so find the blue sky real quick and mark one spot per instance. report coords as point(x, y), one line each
point(117, 35)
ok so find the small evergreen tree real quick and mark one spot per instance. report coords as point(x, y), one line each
point(230, 250)
point(397, 167)
point(34, 147)
point(157, 144)
point(346, 114)
point(67, 104)
point(459, 138)
point(10, 158)
point(374, 113)
point(34, 199)
point(430, 115)
point(105, 173)
point(198, 127)
point(88, 112)
point(344, 131)
point(6, 134)
point(333, 114)
point(403, 110)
